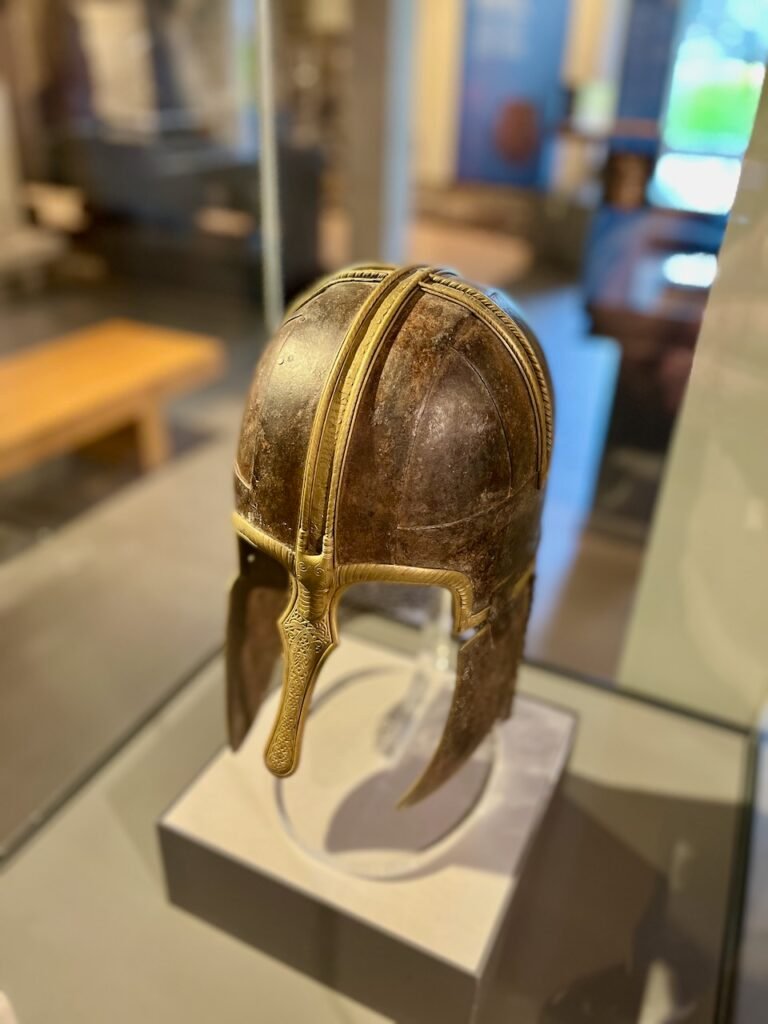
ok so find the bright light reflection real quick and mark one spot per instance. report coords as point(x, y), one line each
point(686, 181)
point(690, 270)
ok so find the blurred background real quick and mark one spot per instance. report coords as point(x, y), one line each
point(583, 155)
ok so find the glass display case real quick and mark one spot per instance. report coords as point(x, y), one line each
point(627, 907)
point(188, 174)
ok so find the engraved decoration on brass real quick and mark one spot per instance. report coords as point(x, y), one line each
point(399, 428)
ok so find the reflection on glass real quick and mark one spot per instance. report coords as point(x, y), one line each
point(688, 181)
point(713, 94)
point(690, 270)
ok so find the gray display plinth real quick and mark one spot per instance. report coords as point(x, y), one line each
point(400, 910)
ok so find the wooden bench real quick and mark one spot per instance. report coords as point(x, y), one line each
point(87, 385)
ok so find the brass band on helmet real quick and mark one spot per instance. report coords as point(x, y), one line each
point(316, 575)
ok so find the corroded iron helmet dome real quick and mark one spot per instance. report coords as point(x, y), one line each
point(399, 428)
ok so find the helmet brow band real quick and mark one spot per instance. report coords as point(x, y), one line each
point(367, 572)
point(459, 585)
point(274, 548)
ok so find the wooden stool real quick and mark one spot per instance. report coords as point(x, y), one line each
point(80, 388)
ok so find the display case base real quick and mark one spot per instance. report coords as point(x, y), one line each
point(415, 945)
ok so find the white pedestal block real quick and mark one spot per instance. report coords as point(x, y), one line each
point(400, 910)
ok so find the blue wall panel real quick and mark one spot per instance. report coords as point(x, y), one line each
point(513, 52)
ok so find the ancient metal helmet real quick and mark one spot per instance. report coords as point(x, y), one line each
point(399, 428)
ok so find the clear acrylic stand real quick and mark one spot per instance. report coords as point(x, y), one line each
point(323, 872)
point(370, 734)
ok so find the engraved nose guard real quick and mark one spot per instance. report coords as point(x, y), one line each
point(307, 630)
point(308, 633)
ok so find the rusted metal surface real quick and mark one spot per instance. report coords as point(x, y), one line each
point(399, 428)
